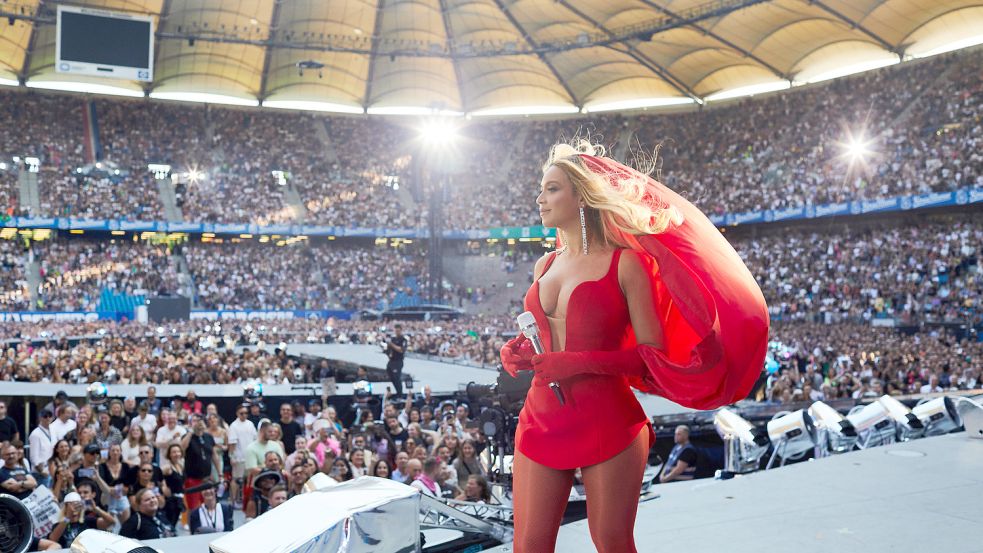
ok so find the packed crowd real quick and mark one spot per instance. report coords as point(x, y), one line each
point(263, 276)
point(162, 467)
point(201, 351)
point(815, 361)
point(75, 273)
point(909, 129)
point(911, 273)
point(14, 293)
point(917, 124)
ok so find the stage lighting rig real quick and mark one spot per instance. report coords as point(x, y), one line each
point(874, 424)
point(835, 433)
point(792, 435)
point(908, 425)
point(939, 415)
point(744, 445)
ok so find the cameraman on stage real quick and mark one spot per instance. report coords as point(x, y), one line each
point(395, 349)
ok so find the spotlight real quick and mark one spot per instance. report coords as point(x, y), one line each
point(908, 425)
point(939, 415)
point(873, 423)
point(835, 433)
point(744, 445)
point(792, 435)
point(438, 132)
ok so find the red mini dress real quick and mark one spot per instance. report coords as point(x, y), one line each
point(601, 415)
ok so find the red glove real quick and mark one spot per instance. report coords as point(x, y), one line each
point(553, 367)
point(516, 355)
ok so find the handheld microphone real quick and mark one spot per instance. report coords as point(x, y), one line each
point(527, 325)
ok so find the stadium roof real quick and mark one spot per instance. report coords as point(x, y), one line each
point(496, 56)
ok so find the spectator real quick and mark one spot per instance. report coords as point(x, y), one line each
point(8, 427)
point(14, 478)
point(212, 516)
point(146, 522)
point(426, 481)
point(42, 446)
point(277, 495)
point(77, 515)
point(681, 464)
point(65, 423)
point(475, 490)
point(202, 457)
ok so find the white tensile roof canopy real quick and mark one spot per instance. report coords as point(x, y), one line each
point(496, 56)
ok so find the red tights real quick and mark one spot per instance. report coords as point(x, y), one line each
point(539, 498)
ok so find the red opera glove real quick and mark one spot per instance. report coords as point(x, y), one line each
point(516, 355)
point(553, 367)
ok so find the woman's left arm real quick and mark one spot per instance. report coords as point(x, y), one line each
point(637, 287)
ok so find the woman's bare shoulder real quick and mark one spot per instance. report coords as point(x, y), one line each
point(540, 265)
point(635, 266)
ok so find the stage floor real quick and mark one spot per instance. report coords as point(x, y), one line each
point(921, 496)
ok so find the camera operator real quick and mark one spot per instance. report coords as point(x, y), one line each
point(395, 349)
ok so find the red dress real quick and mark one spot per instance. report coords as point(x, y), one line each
point(601, 415)
point(714, 322)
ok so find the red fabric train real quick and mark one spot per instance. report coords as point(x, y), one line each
point(712, 311)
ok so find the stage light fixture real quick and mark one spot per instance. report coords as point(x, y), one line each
point(873, 423)
point(939, 415)
point(792, 435)
point(835, 433)
point(908, 425)
point(744, 444)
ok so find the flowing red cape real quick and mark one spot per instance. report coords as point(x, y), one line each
point(713, 314)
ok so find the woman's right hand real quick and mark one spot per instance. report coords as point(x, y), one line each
point(517, 355)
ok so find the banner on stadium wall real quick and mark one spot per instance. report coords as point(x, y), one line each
point(139, 226)
point(191, 228)
point(503, 233)
point(217, 228)
point(35, 316)
point(899, 203)
point(271, 314)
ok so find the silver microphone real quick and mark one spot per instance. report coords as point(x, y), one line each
point(528, 327)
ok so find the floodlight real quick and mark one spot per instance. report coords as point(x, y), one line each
point(908, 425)
point(873, 423)
point(836, 433)
point(939, 415)
point(744, 445)
point(438, 132)
point(792, 435)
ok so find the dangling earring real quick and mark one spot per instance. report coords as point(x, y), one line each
point(583, 230)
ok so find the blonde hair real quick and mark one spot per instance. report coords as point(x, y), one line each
point(615, 214)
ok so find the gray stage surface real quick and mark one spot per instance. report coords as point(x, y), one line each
point(921, 496)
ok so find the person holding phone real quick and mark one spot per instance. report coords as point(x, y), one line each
point(79, 512)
